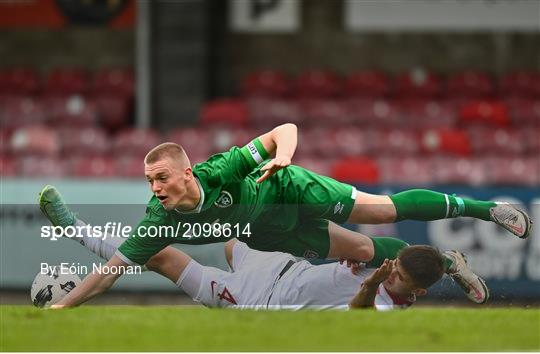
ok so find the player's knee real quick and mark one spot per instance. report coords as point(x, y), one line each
point(364, 253)
point(158, 261)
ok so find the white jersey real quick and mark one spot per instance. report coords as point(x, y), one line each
point(328, 286)
point(256, 283)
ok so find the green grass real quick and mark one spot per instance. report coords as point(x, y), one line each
point(136, 328)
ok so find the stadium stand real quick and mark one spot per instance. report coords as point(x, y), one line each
point(265, 83)
point(364, 127)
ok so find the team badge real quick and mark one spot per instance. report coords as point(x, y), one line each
point(310, 254)
point(224, 200)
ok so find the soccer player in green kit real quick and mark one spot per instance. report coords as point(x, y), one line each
point(269, 206)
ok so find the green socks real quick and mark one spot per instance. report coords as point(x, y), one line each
point(426, 205)
point(385, 247)
point(389, 247)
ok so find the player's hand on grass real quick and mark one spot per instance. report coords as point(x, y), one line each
point(380, 274)
point(273, 166)
point(352, 264)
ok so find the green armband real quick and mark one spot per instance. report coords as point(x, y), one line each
point(254, 152)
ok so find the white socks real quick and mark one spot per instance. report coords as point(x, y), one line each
point(104, 246)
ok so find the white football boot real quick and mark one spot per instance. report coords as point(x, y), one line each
point(512, 219)
point(474, 287)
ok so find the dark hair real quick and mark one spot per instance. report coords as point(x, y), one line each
point(424, 264)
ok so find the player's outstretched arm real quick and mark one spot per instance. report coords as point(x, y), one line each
point(282, 140)
point(365, 298)
point(93, 285)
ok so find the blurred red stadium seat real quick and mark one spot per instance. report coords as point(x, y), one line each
point(71, 111)
point(265, 83)
point(66, 81)
point(405, 171)
point(5, 137)
point(197, 142)
point(315, 164)
point(367, 83)
point(374, 113)
point(96, 166)
point(35, 140)
point(113, 111)
point(319, 142)
point(396, 142)
point(115, 81)
point(417, 83)
point(19, 111)
point(445, 142)
point(419, 113)
point(19, 81)
point(356, 170)
point(129, 166)
point(470, 84)
point(531, 137)
point(89, 141)
point(485, 141)
point(521, 84)
point(272, 112)
point(459, 170)
point(224, 139)
point(524, 111)
point(7, 166)
point(226, 112)
point(513, 170)
point(352, 141)
point(318, 84)
point(40, 167)
point(325, 112)
point(134, 142)
point(485, 113)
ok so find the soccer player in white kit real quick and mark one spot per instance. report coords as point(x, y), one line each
point(275, 280)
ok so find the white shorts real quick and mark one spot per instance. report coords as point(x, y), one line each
point(249, 285)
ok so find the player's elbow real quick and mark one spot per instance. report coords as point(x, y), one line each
point(289, 126)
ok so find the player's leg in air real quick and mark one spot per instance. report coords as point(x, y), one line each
point(427, 205)
point(325, 198)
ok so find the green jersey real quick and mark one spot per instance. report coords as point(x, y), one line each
point(267, 215)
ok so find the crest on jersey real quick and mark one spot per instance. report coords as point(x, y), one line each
point(311, 254)
point(224, 200)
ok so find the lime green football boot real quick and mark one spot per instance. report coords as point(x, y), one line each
point(55, 208)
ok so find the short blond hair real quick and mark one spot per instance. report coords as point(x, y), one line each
point(172, 151)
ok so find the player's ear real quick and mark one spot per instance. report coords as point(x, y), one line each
point(420, 292)
point(188, 174)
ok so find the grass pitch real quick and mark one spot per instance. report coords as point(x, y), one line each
point(167, 328)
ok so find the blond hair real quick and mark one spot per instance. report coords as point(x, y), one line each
point(171, 151)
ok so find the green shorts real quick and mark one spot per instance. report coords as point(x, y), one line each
point(310, 240)
point(318, 197)
point(299, 223)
